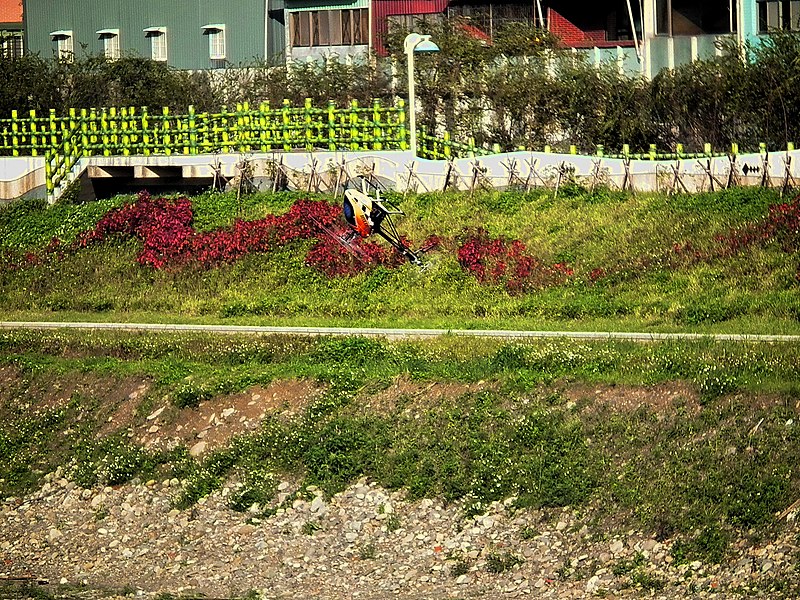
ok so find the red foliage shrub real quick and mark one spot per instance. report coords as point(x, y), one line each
point(168, 239)
point(782, 225)
point(331, 258)
point(432, 242)
point(500, 261)
point(164, 227)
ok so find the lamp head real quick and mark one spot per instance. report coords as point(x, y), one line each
point(426, 46)
point(416, 42)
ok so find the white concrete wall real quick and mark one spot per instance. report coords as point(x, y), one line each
point(21, 176)
point(324, 171)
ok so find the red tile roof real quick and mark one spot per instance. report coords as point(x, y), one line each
point(10, 11)
point(475, 32)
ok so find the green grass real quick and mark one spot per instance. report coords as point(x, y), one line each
point(630, 237)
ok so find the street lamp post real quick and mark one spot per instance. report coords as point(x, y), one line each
point(415, 42)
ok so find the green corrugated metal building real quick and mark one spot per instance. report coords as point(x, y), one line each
point(187, 34)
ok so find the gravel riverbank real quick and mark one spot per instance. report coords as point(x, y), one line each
point(365, 542)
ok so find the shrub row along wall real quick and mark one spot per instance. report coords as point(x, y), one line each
point(521, 91)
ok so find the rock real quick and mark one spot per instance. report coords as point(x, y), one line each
point(198, 448)
point(317, 504)
point(156, 414)
point(649, 545)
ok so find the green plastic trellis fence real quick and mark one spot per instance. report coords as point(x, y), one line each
point(128, 130)
point(63, 140)
point(445, 148)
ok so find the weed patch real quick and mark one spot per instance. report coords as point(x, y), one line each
point(500, 562)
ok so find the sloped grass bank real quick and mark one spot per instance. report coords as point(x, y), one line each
point(707, 262)
point(549, 423)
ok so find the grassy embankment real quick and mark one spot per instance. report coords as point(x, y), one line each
point(663, 266)
point(711, 463)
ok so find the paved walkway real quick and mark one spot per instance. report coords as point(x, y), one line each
point(403, 333)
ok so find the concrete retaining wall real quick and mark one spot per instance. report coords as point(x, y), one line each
point(21, 177)
point(328, 171)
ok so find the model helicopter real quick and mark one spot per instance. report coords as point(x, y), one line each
point(368, 215)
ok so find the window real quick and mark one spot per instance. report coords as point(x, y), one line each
point(110, 39)
point(778, 14)
point(663, 10)
point(64, 44)
point(301, 28)
point(10, 44)
point(158, 43)
point(347, 28)
point(216, 41)
point(330, 27)
point(420, 22)
point(690, 17)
